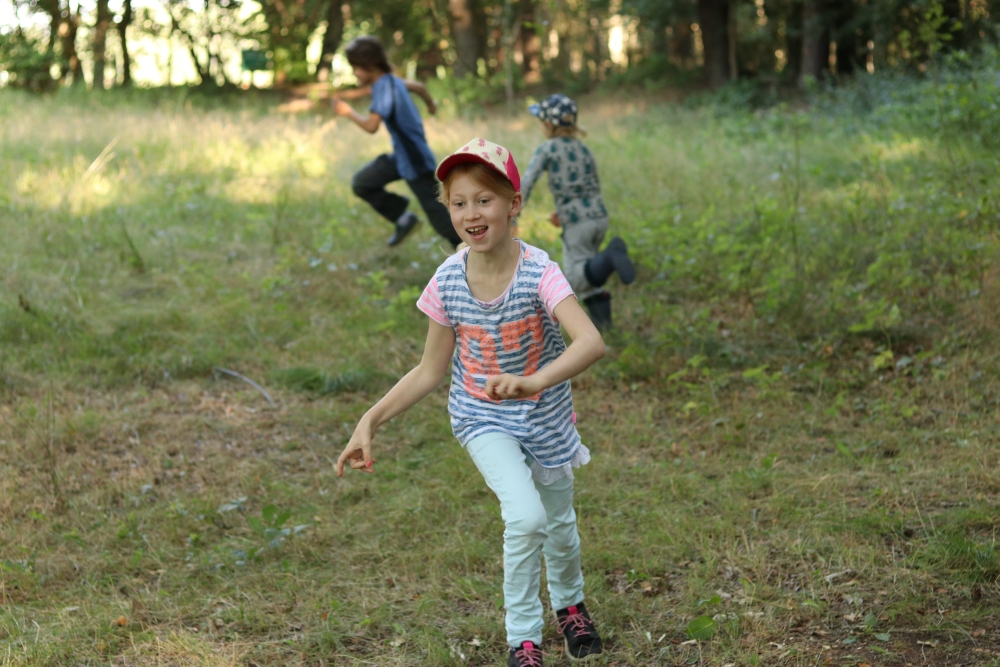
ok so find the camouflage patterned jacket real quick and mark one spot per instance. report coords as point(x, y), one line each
point(572, 179)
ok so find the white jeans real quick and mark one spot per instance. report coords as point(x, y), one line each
point(537, 519)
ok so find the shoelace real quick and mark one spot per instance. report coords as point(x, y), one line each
point(580, 624)
point(529, 657)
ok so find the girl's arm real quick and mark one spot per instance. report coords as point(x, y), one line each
point(421, 91)
point(587, 347)
point(408, 391)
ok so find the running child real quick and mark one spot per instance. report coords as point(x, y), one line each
point(411, 158)
point(580, 208)
point(494, 312)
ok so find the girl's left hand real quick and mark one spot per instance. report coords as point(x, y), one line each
point(507, 386)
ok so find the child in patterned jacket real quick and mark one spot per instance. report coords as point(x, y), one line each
point(494, 312)
point(580, 208)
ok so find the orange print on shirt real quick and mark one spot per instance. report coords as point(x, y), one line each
point(487, 364)
point(512, 333)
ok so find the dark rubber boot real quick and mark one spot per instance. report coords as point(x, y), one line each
point(613, 258)
point(599, 306)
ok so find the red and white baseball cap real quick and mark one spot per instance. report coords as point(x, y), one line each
point(484, 152)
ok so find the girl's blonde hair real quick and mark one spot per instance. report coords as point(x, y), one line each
point(486, 177)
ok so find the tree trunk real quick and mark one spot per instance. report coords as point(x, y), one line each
point(793, 43)
point(659, 44)
point(100, 42)
point(599, 44)
point(562, 61)
point(681, 46)
point(42, 79)
point(731, 34)
point(466, 33)
point(713, 17)
point(815, 41)
point(68, 31)
point(530, 43)
point(204, 69)
point(331, 39)
point(510, 30)
point(850, 56)
point(123, 26)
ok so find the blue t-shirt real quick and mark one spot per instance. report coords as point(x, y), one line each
point(391, 100)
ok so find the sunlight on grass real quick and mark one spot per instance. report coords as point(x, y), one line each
point(793, 433)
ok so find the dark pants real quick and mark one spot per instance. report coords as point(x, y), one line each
point(370, 182)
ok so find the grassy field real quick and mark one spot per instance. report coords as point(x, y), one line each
point(794, 435)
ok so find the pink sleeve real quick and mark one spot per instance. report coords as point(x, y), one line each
point(430, 304)
point(553, 288)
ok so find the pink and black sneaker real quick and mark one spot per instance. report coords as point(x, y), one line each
point(580, 633)
point(528, 655)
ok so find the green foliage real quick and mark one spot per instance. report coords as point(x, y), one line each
point(973, 557)
point(24, 60)
point(702, 628)
point(323, 383)
point(932, 30)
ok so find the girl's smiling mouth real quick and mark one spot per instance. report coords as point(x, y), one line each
point(477, 232)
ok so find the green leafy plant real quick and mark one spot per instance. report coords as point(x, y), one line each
point(702, 628)
point(271, 527)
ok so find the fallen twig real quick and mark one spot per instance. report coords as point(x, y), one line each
point(836, 575)
point(249, 382)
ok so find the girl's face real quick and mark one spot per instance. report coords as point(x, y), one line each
point(480, 216)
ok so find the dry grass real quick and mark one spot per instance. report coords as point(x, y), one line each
point(821, 510)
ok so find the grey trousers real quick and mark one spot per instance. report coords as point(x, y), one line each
point(581, 241)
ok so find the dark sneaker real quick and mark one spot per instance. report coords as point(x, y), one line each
point(404, 226)
point(623, 263)
point(580, 633)
point(528, 655)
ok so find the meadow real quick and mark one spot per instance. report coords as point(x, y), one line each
point(794, 432)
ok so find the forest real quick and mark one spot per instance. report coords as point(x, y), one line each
point(488, 49)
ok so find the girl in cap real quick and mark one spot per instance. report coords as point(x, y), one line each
point(495, 308)
point(580, 208)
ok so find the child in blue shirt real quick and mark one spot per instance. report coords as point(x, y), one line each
point(580, 207)
point(411, 158)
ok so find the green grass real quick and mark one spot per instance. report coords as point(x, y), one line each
point(794, 434)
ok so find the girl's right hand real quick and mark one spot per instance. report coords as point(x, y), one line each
point(358, 451)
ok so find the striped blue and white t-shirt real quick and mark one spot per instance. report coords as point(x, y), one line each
point(516, 333)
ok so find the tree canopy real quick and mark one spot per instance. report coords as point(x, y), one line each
point(574, 44)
